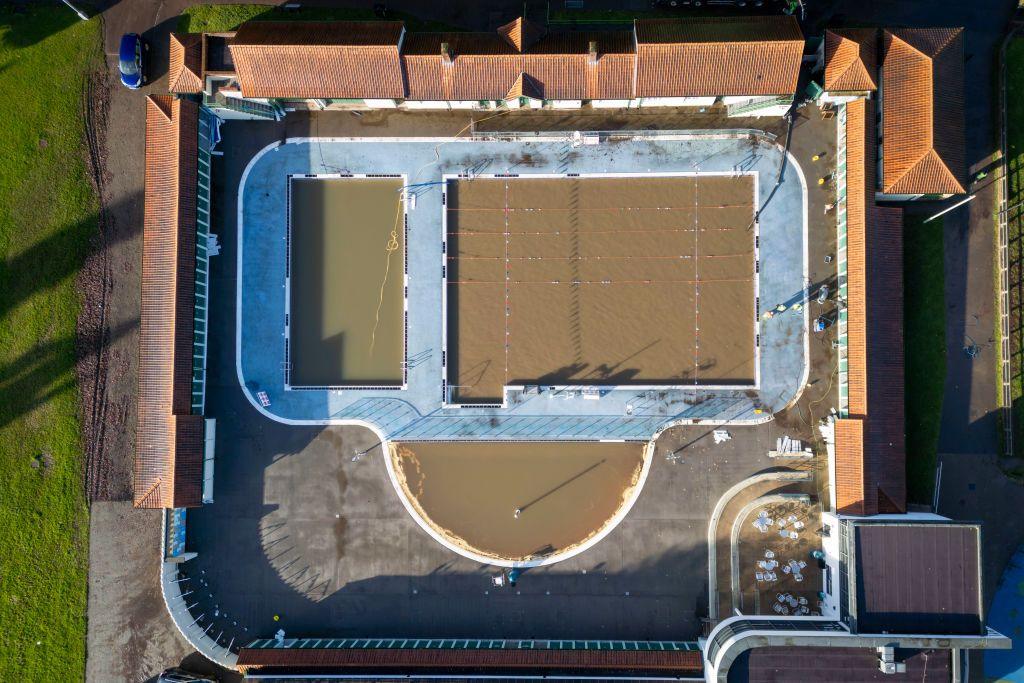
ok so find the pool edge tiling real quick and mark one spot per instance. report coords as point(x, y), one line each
point(418, 412)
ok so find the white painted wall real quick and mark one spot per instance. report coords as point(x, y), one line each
point(677, 101)
point(612, 104)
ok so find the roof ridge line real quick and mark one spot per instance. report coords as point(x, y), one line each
point(908, 44)
point(954, 31)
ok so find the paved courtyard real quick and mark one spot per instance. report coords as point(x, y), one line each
point(301, 531)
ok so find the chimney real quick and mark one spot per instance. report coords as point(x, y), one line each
point(593, 51)
point(446, 54)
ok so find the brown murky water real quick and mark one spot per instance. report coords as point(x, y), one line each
point(342, 229)
point(565, 492)
point(599, 281)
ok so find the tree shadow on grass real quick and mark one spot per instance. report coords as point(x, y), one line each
point(43, 373)
point(24, 23)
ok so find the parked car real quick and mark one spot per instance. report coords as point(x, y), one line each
point(131, 61)
point(177, 675)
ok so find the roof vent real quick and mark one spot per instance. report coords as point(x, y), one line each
point(887, 663)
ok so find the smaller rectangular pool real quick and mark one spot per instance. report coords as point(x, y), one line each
point(345, 326)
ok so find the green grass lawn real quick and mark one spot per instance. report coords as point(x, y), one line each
point(47, 215)
point(924, 316)
point(215, 18)
point(1015, 225)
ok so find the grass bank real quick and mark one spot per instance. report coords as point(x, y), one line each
point(47, 215)
point(924, 332)
point(215, 18)
point(1015, 227)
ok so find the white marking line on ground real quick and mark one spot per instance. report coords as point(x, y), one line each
point(508, 297)
point(696, 278)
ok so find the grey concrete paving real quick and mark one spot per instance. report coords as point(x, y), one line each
point(416, 412)
point(130, 636)
point(301, 531)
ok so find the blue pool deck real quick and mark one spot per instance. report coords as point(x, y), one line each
point(417, 412)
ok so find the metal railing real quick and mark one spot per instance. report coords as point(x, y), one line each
point(758, 104)
point(200, 319)
point(471, 644)
point(842, 337)
point(1003, 254)
point(259, 109)
point(604, 135)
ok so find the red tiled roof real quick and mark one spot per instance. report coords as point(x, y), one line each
point(724, 56)
point(860, 164)
point(478, 66)
point(483, 66)
point(185, 70)
point(169, 445)
point(489, 660)
point(718, 56)
point(923, 111)
point(850, 467)
point(524, 86)
point(341, 59)
point(561, 64)
point(520, 34)
point(871, 454)
point(850, 60)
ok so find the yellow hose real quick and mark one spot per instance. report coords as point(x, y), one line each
point(391, 247)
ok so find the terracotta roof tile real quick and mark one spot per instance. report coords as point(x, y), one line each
point(922, 112)
point(524, 86)
point(562, 64)
point(851, 60)
point(850, 467)
point(478, 66)
point(341, 59)
point(185, 70)
point(860, 163)
point(345, 59)
point(874, 335)
point(718, 56)
point(166, 446)
point(520, 34)
point(483, 66)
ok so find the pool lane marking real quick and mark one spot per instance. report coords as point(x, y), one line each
point(508, 309)
point(696, 278)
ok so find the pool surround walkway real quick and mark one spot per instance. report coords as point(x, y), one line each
point(418, 412)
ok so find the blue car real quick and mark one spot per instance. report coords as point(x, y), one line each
point(130, 61)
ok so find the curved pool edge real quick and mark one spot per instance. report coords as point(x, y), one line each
point(620, 514)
